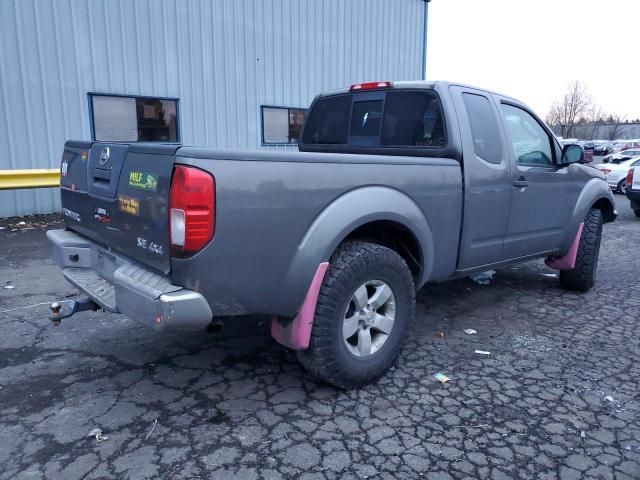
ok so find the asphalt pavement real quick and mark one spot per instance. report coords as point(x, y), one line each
point(558, 396)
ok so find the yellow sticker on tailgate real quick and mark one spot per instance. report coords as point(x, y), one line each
point(143, 181)
point(129, 205)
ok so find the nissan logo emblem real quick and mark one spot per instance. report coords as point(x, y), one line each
point(104, 155)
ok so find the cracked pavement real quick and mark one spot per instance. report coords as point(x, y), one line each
point(558, 397)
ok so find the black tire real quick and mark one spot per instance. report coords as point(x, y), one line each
point(636, 213)
point(621, 186)
point(353, 264)
point(582, 277)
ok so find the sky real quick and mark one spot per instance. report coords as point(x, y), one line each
point(532, 49)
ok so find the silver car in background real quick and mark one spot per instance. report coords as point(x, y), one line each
point(623, 145)
point(621, 156)
point(616, 171)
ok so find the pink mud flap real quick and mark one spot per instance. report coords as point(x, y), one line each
point(569, 260)
point(297, 333)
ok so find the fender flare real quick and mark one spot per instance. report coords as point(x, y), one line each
point(341, 217)
point(593, 191)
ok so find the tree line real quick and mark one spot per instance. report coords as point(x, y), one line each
point(576, 115)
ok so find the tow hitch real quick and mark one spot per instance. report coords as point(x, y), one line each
point(66, 308)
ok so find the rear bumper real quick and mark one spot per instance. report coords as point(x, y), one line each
point(119, 285)
point(634, 196)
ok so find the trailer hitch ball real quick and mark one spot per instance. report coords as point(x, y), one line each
point(65, 309)
point(55, 312)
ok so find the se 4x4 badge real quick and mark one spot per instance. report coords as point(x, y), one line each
point(151, 246)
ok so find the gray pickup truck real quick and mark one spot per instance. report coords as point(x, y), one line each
point(395, 185)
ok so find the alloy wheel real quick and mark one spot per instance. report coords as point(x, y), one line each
point(369, 318)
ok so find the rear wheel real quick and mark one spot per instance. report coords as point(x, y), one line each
point(366, 301)
point(637, 213)
point(622, 186)
point(582, 277)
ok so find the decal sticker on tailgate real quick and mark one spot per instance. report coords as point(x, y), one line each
point(102, 215)
point(71, 214)
point(143, 181)
point(129, 205)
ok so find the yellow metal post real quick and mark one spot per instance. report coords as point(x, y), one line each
point(35, 178)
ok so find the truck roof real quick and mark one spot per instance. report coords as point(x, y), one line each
point(427, 84)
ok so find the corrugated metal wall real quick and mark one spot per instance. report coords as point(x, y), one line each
point(222, 59)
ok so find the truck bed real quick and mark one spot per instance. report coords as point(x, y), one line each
point(273, 211)
point(268, 203)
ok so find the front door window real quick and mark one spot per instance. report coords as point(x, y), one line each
point(530, 142)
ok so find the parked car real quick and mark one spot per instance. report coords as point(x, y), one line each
point(622, 145)
point(633, 189)
point(604, 148)
point(616, 172)
point(621, 156)
point(395, 185)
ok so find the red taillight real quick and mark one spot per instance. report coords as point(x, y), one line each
point(630, 178)
point(605, 170)
point(356, 87)
point(191, 209)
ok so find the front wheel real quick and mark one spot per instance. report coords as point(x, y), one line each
point(583, 275)
point(365, 303)
point(636, 213)
point(622, 186)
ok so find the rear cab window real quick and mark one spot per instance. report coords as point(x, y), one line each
point(380, 119)
point(366, 118)
point(327, 123)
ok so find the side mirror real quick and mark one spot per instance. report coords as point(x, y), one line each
point(572, 154)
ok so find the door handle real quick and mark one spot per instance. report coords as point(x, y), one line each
point(521, 182)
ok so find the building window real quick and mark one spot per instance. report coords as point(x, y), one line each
point(281, 125)
point(120, 118)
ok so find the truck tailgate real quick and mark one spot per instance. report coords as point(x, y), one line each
point(117, 195)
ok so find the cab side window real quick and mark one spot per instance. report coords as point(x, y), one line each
point(484, 128)
point(530, 142)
